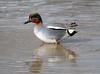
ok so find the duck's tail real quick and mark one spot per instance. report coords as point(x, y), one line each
point(71, 32)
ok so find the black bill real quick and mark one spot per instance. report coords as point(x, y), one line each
point(27, 22)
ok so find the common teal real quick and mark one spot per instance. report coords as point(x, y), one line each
point(48, 33)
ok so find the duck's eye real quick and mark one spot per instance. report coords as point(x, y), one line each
point(35, 19)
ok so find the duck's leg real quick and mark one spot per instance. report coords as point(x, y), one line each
point(58, 41)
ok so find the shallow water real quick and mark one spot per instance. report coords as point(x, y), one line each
point(22, 53)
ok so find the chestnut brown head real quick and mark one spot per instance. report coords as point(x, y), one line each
point(34, 18)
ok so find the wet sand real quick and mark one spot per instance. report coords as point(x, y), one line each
point(21, 52)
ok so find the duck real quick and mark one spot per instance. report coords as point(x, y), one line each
point(48, 33)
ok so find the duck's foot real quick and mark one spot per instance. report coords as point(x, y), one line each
point(58, 42)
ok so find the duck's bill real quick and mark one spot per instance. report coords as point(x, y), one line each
point(28, 21)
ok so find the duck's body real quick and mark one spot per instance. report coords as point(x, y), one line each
point(48, 34)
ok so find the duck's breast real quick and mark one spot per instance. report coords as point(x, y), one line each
point(44, 35)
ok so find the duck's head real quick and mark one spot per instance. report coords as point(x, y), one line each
point(34, 18)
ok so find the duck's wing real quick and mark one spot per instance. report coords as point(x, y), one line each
point(55, 28)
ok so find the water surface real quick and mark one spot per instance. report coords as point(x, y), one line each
point(22, 53)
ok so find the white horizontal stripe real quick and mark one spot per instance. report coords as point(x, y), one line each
point(55, 27)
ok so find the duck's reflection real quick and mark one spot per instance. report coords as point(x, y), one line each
point(54, 53)
point(50, 53)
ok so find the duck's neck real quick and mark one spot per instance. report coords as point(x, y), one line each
point(37, 27)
